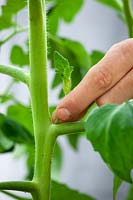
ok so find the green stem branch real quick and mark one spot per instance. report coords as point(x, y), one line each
point(15, 72)
point(68, 128)
point(129, 16)
point(24, 186)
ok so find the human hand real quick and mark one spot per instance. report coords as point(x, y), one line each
point(109, 81)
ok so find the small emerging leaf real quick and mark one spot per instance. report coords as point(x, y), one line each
point(77, 55)
point(64, 69)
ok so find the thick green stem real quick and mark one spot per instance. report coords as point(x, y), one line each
point(44, 179)
point(15, 72)
point(39, 98)
point(129, 16)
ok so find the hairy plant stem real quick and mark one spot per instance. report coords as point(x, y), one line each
point(15, 72)
point(39, 98)
point(129, 16)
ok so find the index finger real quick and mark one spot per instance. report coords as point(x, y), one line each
point(100, 78)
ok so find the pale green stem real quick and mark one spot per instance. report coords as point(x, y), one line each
point(44, 180)
point(39, 98)
point(23, 186)
point(68, 128)
point(129, 16)
point(15, 72)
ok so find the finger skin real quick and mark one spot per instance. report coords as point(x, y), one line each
point(121, 92)
point(103, 76)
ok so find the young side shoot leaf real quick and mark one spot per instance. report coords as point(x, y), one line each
point(64, 69)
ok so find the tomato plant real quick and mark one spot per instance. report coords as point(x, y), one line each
point(30, 126)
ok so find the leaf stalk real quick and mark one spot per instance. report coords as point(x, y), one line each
point(15, 72)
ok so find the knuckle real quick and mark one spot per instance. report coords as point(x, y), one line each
point(125, 50)
point(103, 78)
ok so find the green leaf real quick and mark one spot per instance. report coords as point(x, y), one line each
point(5, 97)
point(62, 10)
point(6, 145)
point(56, 81)
point(9, 10)
point(115, 4)
point(62, 66)
point(64, 69)
point(78, 52)
point(14, 131)
point(18, 56)
point(110, 130)
point(73, 140)
point(62, 192)
point(21, 114)
point(74, 51)
point(130, 195)
point(52, 109)
point(117, 184)
point(57, 162)
point(96, 56)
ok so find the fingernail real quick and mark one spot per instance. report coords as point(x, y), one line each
point(63, 114)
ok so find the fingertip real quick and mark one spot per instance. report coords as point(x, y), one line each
point(61, 115)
